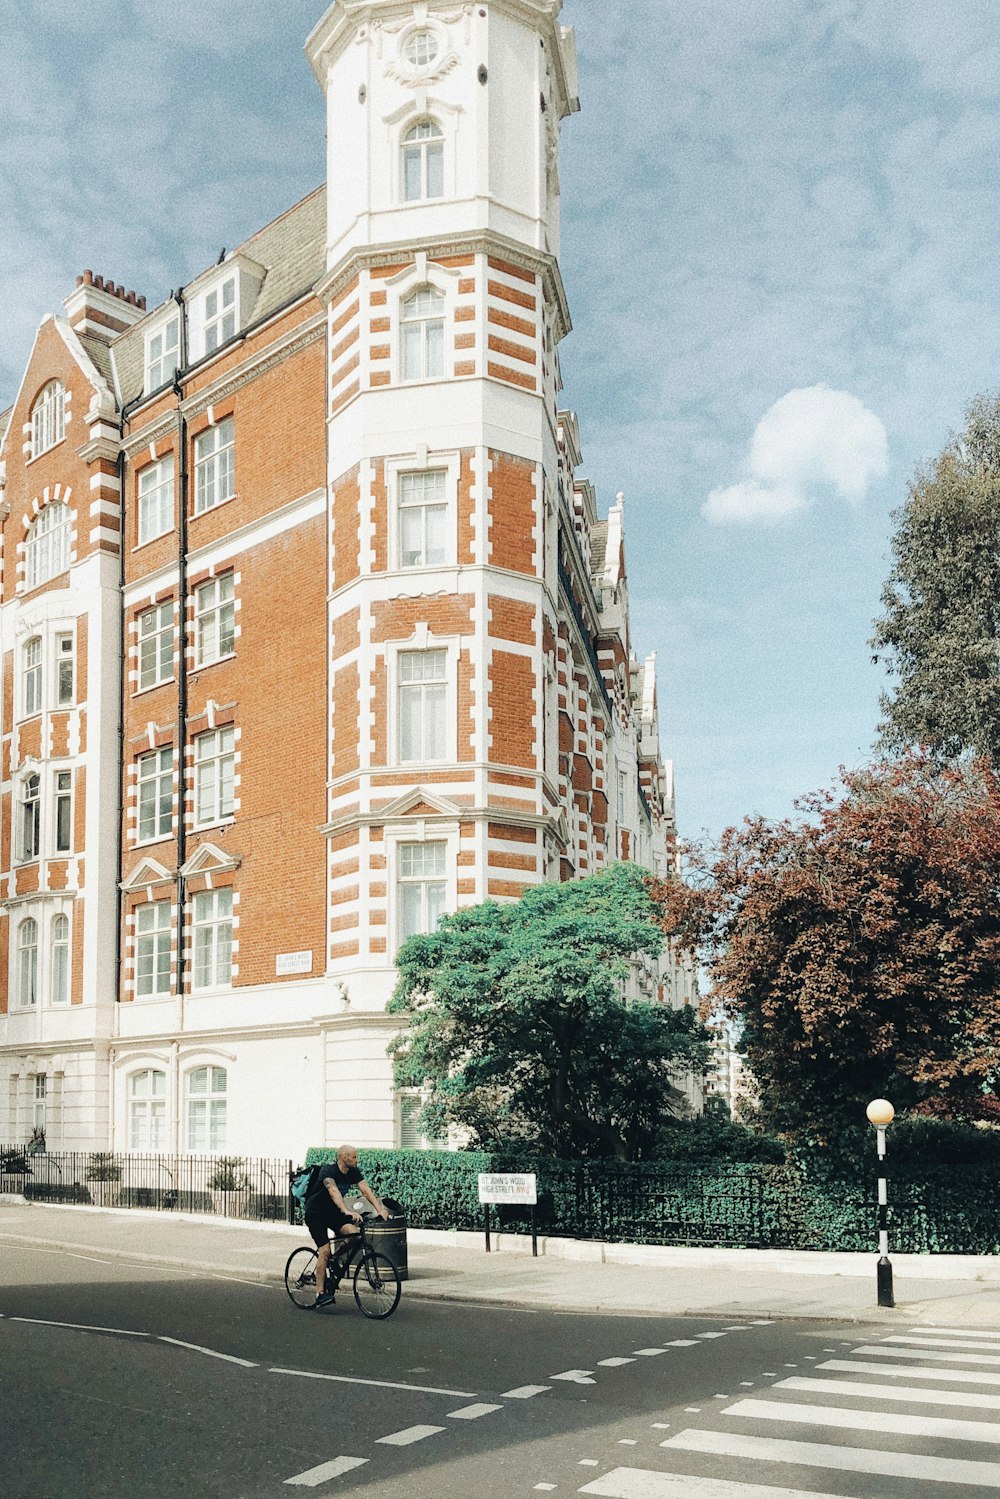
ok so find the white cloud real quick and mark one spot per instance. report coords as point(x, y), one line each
point(751, 501)
point(811, 439)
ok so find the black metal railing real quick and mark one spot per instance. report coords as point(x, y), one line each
point(230, 1186)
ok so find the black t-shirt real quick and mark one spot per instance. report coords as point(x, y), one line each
point(342, 1179)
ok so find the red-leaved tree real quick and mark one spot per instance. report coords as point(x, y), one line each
point(860, 945)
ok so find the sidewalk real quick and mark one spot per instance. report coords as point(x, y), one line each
point(944, 1290)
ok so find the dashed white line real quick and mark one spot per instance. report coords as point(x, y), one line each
point(409, 1435)
point(575, 1376)
point(473, 1412)
point(525, 1391)
point(683, 1343)
point(210, 1352)
point(648, 1352)
point(313, 1477)
point(613, 1363)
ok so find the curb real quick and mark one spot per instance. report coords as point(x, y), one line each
point(506, 1300)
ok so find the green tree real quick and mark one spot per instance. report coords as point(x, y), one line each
point(518, 1031)
point(860, 946)
point(941, 626)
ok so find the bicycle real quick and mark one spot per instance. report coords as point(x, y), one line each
point(377, 1286)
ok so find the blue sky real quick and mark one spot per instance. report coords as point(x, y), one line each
point(779, 247)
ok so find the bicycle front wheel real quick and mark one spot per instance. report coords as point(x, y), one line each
point(300, 1276)
point(376, 1286)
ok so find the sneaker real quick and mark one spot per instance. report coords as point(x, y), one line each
point(325, 1300)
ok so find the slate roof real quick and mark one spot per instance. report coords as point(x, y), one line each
point(598, 546)
point(293, 251)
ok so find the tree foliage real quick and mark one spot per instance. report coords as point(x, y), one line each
point(940, 629)
point(518, 1032)
point(860, 946)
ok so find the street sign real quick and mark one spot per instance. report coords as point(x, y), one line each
point(507, 1187)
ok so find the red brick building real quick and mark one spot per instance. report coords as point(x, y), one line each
point(309, 627)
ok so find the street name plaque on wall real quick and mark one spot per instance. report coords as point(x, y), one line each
point(507, 1187)
point(292, 962)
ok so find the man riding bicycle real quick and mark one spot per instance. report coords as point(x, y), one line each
point(326, 1211)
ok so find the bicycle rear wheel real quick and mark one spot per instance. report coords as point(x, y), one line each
point(376, 1285)
point(300, 1276)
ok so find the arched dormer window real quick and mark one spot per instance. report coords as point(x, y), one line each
point(46, 552)
point(423, 162)
point(422, 334)
point(48, 418)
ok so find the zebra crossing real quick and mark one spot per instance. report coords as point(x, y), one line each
point(858, 1420)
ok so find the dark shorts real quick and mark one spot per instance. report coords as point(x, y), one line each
point(324, 1217)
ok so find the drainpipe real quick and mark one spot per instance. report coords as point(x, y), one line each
point(182, 682)
point(124, 420)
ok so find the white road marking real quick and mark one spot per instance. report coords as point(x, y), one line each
point(473, 1412)
point(647, 1352)
point(546, 1487)
point(972, 1346)
point(39, 1249)
point(91, 1258)
point(877, 1350)
point(588, 1462)
point(909, 1371)
point(869, 1420)
point(737, 1327)
point(197, 1348)
point(839, 1459)
point(960, 1332)
point(409, 1435)
point(122, 1332)
point(711, 1335)
point(641, 1483)
point(525, 1391)
point(904, 1393)
point(692, 1410)
point(575, 1376)
point(613, 1363)
point(627, 1442)
point(661, 1426)
point(683, 1343)
point(379, 1384)
point(762, 1322)
point(313, 1477)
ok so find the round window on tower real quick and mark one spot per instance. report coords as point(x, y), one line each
point(421, 48)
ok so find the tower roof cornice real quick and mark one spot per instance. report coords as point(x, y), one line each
point(347, 19)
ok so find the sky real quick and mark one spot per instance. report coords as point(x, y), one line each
point(779, 247)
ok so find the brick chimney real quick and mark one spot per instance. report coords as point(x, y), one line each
point(102, 309)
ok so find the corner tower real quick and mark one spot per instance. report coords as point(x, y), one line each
point(446, 308)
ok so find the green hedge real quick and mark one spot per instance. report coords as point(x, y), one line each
point(938, 1210)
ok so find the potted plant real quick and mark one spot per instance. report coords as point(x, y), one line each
point(103, 1172)
point(228, 1177)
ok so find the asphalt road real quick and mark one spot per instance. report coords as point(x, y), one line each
point(165, 1383)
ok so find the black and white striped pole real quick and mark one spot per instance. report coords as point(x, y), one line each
point(881, 1114)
